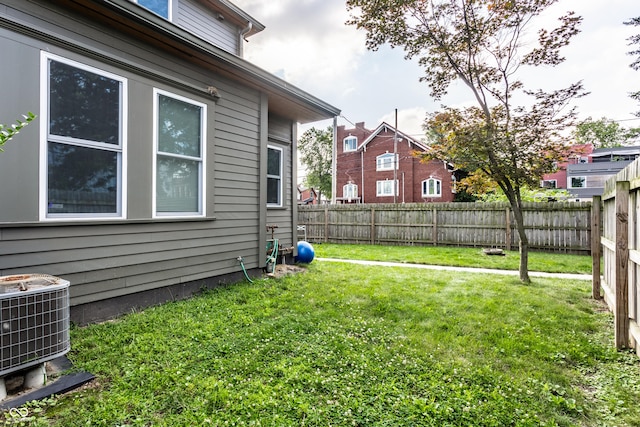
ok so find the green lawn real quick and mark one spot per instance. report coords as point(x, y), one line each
point(349, 345)
point(455, 256)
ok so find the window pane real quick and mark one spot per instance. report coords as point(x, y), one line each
point(179, 127)
point(83, 104)
point(81, 180)
point(161, 7)
point(273, 162)
point(273, 191)
point(177, 187)
point(350, 143)
point(577, 182)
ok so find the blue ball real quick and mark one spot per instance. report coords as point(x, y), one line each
point(305, 252)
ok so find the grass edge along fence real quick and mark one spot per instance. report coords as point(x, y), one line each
point(554, 226)
point(619, 248)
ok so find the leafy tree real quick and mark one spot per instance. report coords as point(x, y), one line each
point(316, 153)
point(603, 133)
point(9, 131)
point(481, 43)
point(529, 195)
point(635, 40)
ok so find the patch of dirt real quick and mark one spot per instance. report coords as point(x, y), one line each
point(285, 270)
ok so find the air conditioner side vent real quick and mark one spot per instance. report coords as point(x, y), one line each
point(34, 320)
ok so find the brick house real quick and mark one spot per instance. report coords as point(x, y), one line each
point(576, 154)
point(365, 168)
point(587, 169)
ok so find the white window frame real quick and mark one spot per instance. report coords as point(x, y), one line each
point(437, 186)
point(350, 191)
point(202, 168)
point(571, 178)
point(347, 142)
point(45, 138)
point(383, 185)
point(544, 181)
point(383, 165)
point(279, 177)
point(169, 9)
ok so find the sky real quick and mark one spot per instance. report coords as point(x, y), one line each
point(307, 43)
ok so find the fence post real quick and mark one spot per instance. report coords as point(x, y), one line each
point(595, 246)
point(326, 224)
point(622, 265)
point(434, 229)
point(507, 226)
point(373, 226)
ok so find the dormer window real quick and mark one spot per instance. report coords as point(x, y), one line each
point(385, 162)
point(350, 143)
point(159, 7)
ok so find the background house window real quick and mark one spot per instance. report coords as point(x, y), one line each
point(549, 183)
point(179, 156)
point(160, 7)
point(350, 191)
point(577, 181)
point(384, 162)
point(386, 187)
point(431, 188)
point(350, 143)
point(274, 176)
point(85, 142)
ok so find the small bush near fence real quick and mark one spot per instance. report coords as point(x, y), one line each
point(559, 227)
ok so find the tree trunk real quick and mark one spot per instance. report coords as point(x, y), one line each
point(524, 244)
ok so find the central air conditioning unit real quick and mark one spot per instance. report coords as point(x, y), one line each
point(34, 320)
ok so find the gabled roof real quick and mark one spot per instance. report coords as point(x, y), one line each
point(401, 137)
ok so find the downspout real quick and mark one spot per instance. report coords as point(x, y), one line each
point(243, 33)
point(334, 157)
point(362, 175)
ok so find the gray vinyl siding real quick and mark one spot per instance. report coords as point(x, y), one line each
point(281, 136)
point(110, 259)
point(194, 17)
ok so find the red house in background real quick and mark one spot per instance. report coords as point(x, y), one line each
point(576, 154)
point(366, 171)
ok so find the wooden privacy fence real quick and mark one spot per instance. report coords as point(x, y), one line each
point(560, 227)
point(621, 254)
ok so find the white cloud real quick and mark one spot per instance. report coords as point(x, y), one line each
point(307, 43)
point(307, 40)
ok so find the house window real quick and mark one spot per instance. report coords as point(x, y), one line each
point(577, 181)
point(179, 170)
point(384, 162)
point(85, 141)
point(549, 183)
point(385, 188)
point(431, 188)
point(160, 7)
point(274, 176)
point(583, 159)
point(350, 191)
point(350, 143)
